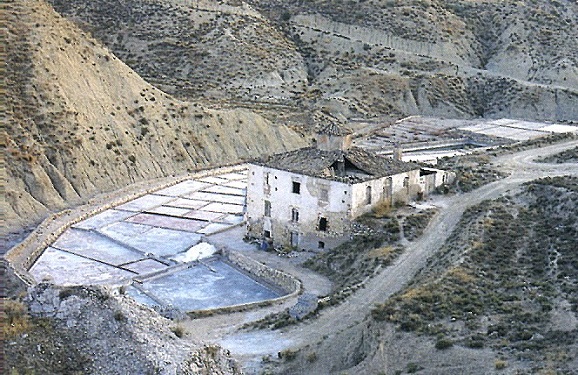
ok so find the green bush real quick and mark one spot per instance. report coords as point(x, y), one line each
point(444, 343)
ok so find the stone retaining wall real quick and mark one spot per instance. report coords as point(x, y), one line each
point(22, 256)
point(290, 284)
point(286, 282)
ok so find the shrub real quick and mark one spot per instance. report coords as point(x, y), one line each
point(15, 319)
point(500, 364)
point(119, 316)
point(178, 330)
point(381, 209)
point(444, 343)
point(413, 367)
point(312, 357)
point(288, 354)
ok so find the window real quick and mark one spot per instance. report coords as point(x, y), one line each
point(322, 224)
point(294, 215)
point(324, 194)
point(266, 186)
point(296, 187)
point(294, 239)
point(368, 195)
point(267, 208)
point(267, 234)
point(406, 182)
point(321, 245)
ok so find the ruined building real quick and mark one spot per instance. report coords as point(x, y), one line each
point(308, 198)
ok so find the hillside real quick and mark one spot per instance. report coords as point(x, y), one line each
point(362, 59)
point(80, 122)
point(498, 298)
point(94, 330)
point(104, 95)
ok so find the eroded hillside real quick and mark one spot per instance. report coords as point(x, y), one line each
point(499, 297)
point(360, 59)
point(80, 122)
point(93, 330)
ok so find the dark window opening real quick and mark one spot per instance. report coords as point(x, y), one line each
point(267, 234)
point(294, 239)
point(406, 182)
point(267, 208)
point(368, 195)
point(294, 215)
point(296, 187)
point(321, 245)
point(322, 224)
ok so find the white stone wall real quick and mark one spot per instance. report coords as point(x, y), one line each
point(310, 204)
point(437, 178)
point(344, 203)
point(392, 189)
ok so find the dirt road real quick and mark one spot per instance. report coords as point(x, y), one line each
point(251, 347)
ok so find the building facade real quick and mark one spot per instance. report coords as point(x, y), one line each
point(308, 198)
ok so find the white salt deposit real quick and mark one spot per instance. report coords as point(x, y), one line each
point(199, 251)
point(558, 128)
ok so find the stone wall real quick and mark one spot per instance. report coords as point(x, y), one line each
point(310, 203)
point(22, 256)
point(289, 284)
point(286, 282)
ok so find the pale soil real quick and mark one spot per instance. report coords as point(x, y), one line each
point(80, 122)
point(329, 325)
point(340, 322)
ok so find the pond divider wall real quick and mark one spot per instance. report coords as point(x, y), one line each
point(287, 283)
point(22, 256)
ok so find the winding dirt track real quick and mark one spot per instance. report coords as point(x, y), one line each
point(250, 347)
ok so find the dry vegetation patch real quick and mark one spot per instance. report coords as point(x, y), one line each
point(568, 156)
point(506, 279)
point(472, 171)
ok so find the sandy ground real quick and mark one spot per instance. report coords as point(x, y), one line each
point(251, 347)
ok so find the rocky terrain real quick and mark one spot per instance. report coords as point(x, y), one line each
point(498, 296)
point(505, 280)
point(167, 81)
point(80, 122)
point(94, 330)
point(103, 95)
point(361, 59)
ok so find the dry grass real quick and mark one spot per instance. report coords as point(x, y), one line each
point(15, 318)
point(381, 209)
point(500, 277)
point(382, 252)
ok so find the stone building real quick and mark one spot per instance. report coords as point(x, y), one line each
point(308, 198)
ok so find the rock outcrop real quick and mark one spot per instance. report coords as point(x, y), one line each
point(94, 330)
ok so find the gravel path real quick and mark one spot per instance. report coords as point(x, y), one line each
point(251, 347)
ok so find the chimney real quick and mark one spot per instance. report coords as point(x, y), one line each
point(341, 166)
point(397, 152)
point(331, 137)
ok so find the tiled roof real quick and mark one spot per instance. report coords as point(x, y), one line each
point(360, 165)
point(332, 129)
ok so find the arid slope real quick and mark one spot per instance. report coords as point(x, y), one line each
point(80, 122)
point(363, 59)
